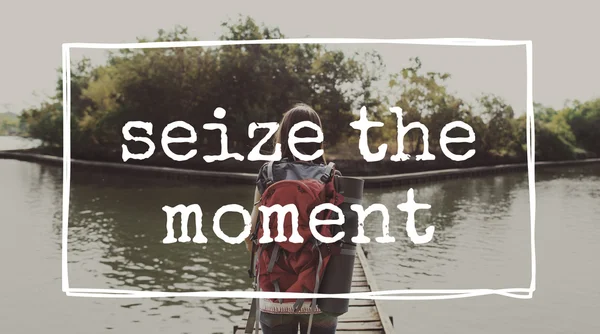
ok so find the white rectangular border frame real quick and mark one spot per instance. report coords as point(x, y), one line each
point(520, 293)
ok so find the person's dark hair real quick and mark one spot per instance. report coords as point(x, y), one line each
point(299, 113)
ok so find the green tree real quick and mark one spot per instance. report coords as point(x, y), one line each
point(500, 134)
point(251, 82)
point(424, 98)
point(584, 120)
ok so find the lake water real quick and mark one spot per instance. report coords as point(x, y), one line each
point(482, 240)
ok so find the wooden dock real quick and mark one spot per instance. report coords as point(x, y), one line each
point(250, 178)
point(364, 316)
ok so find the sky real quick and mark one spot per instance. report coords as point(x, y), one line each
point(565, 56)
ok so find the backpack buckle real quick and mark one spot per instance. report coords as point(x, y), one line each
point(325, 178)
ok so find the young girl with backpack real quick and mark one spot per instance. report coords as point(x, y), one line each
point(286, 266)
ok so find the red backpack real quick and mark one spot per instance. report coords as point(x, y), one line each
point(295, 267)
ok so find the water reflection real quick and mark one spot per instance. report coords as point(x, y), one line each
point(470, 218)
point(116, 225)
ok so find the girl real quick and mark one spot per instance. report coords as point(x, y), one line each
point(271, 320)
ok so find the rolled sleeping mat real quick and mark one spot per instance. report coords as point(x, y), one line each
point(338, 275)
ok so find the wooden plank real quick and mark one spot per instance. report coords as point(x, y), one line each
point(359, 326)
point(362, 314)
point(361, 302)
point(385, 320)
point(360, 289)
point(252, 314)
point(358, 272)
point(359, 275)
point(360, 284)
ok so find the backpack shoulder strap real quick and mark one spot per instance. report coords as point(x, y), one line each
point(270, 172)
point(265, 176)
point(327, 174)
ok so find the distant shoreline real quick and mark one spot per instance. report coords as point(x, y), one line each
point(250, 178)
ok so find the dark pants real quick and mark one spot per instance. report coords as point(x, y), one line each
point(288, 323)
